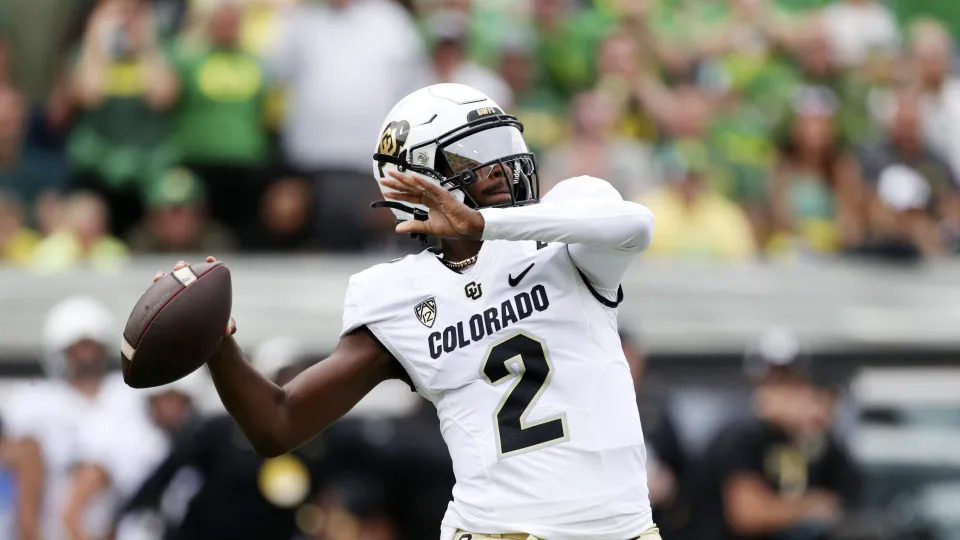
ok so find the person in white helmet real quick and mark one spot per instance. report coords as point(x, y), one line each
point(509, 328)
point(231, 477)
point(112, 461)
point(45, 418)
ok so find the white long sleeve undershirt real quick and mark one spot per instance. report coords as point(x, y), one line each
point(603, 232)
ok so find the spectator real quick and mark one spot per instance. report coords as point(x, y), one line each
point(595, 151)
point(693, 220)
point(28, 166)
point(355, 509)
point(932, 57)
point(35, 41)
point(666, 459)
point(780, 474)
point(125, 88)
point(118, 449)
point(45, 417)
point(82, 238)
point(916, 196)
point(219, 125)
point(567, 41)
point(334, 105)
point(619, 77)
point(242, 496)
point(17, 242)
point(448, 31)
point(857, 29)
point(817, 66)
point(816, 188)
point(285, 221)
point(541, 111)
point(176, 220)
point(48, 213)
point(741, 145)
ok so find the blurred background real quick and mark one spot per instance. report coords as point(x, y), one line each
point(793, 326)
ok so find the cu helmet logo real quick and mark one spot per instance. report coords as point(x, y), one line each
point(394, 137)
point(473, 290)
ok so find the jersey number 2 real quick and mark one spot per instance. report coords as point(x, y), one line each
point(514, 433)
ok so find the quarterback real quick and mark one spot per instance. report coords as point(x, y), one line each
point(509, 328)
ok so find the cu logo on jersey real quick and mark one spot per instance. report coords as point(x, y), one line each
point(473, 290)
point(426, 312)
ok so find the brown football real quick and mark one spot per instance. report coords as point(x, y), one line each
point(176, 325)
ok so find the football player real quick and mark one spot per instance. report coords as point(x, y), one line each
point(509, 329)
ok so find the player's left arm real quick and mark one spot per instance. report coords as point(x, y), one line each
point(603, 232)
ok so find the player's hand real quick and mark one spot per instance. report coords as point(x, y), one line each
point(822, 506)
point(447, 218)
point(231, 328)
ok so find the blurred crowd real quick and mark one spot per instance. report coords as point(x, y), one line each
point(84, 457)
point(752, 128)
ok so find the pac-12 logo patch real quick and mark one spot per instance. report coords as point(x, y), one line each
point(426, 312)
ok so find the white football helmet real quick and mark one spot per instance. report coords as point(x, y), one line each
point(71, 320)
point(453, 134)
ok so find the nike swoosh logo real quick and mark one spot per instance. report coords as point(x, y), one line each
point(514, 281)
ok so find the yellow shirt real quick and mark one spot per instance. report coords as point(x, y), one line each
point(19, 250)
point(711, 228)
point(61, 251)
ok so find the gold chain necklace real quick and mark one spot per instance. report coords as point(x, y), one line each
point(459, 265)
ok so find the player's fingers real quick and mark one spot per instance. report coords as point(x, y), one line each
point(430, 187)
point(393, 184)
point(179, 265)
point(407, 197)
point(231, 327)
point(413, 226)
point(211, 258)
point(158, 275)
point(403, 178)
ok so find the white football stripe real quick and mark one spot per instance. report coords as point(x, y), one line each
point(126, 349)
point(185, 276)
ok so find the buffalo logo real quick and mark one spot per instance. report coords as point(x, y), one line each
point(394, 137)
point(473, 290)
point(426, 312)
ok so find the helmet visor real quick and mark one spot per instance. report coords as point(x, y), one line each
point(498, 152)
point(483, 147)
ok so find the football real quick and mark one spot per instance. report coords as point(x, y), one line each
point(176, 325)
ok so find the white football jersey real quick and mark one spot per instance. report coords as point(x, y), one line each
point(523, 361)
point(55, 415)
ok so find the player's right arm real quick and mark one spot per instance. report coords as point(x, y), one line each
point(278, 419)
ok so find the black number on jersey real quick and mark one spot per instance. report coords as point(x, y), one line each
point(514, 434)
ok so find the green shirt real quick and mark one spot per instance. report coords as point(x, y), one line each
point(567, 53)
point(220, 117)
point(947, 11)
point(742, 147)
point(123, 139)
